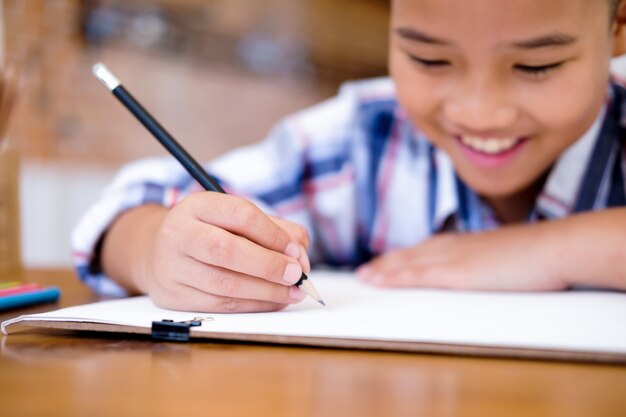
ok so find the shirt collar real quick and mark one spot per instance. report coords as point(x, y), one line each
point(445, 192)
point(560, 192)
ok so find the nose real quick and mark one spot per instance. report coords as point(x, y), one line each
point(479, 105)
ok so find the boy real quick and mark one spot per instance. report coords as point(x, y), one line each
point(501, 119)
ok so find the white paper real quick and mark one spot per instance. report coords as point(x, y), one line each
point(585, 321)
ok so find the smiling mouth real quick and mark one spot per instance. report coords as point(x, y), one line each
point(489, 146)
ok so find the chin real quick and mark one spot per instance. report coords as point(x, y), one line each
point(495, 187)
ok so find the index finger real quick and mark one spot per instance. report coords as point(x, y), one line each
point(243, 218)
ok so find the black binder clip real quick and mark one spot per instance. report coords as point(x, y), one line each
point(175, 331)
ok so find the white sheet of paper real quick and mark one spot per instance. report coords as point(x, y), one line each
point(586, 321)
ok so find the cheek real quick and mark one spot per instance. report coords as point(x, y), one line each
point(417, 93)
point(565, 110)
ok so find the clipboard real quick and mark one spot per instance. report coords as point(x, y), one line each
point(587, 326)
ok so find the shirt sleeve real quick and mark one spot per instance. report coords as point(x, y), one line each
point(159, 181)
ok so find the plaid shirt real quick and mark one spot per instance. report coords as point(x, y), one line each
point(358, 175)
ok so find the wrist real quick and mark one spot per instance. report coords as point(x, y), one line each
point(592, 245)
point(580, 248)
point(128, 247)
point(142, 272)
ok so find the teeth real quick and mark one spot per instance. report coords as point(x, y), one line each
point(489, 145)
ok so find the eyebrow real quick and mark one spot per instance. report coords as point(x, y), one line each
point(416, 35)
point(552, 39)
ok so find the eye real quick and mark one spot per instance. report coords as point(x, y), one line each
point(538, 70)
point(429, 63)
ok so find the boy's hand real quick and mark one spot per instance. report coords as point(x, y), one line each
point(219, 253)
point(515, 258)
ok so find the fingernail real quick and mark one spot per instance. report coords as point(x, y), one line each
point(296, 293)
point(293, 272)
point(292, 250)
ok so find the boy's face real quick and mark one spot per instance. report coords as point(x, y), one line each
point(504, 87)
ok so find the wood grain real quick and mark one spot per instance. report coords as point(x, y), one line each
point(90, 374)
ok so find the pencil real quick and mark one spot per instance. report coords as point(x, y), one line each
point(177, 151)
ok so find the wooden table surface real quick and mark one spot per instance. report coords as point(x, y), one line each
point(75, 374)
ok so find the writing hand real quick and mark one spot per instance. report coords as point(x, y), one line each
point(219, 253)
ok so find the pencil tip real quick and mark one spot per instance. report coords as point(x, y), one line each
point(308, 288)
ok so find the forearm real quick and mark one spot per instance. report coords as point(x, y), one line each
point(127, 244)
point(589, 249)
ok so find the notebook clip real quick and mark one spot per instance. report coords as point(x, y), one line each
point(175, 331)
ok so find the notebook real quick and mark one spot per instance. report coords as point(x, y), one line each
point(569, 325)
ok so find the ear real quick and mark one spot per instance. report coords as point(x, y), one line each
point(619, 30)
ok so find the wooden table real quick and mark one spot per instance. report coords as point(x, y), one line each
point(76, 374)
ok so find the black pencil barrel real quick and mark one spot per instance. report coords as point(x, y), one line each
point(163, 136)
point(172, 145)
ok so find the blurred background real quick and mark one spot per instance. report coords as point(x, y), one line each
point(217, 73)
